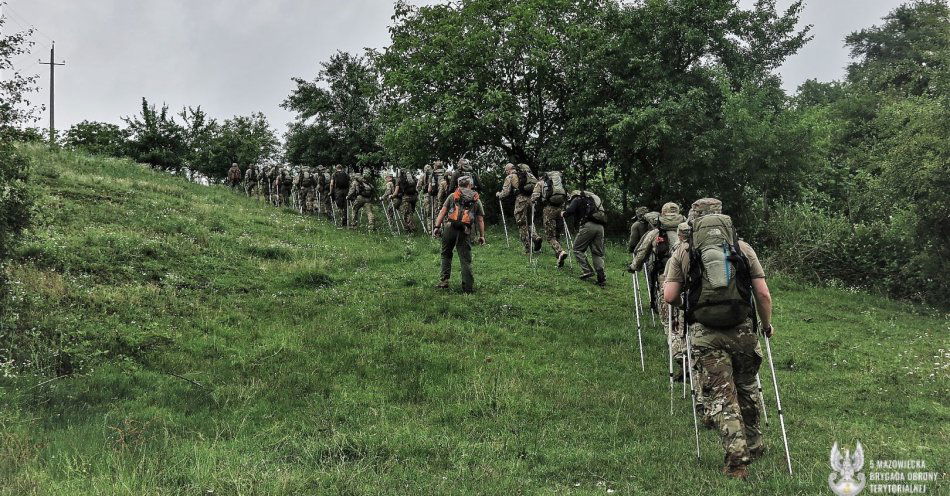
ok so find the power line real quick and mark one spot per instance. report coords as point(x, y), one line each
point(22, 21)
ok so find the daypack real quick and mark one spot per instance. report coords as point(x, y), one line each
point(234, 174)
point(552, 189)
point(526, 180)
point(462, 213)
point(719, 283)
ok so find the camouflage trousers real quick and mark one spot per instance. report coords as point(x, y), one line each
point(407, 207)
point(263, 190)
point(553, 222)
point(250, 187)
point(523, 219)
point(729, 360)
point(359, 204)
point(309, 198)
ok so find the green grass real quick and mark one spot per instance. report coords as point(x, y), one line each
point(178, 339)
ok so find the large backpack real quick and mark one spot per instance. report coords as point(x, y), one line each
point(462, 213)
point(526, 180)
point(407, 187)
point(341, 181)
point(667, 239)
point(366, 188)
point(552, 189)
point(435, 178)
point(719, 283)
point(593, 209)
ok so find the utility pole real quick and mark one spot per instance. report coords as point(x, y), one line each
point(52, 91)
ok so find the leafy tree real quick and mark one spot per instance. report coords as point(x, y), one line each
point(16, 201)
point(245, 140)
point(156, 139)
point(338, 111)
point(101, 138)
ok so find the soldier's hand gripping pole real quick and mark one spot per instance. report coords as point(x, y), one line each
point(636, 312)
point(778, 402)
point(692, 389)
point(504, 222)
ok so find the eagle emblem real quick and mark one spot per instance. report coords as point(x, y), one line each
point(846, 467)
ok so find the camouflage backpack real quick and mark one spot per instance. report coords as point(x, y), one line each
point(552, 189)
point(526, 179)
point(435, 179)
point(719, 283)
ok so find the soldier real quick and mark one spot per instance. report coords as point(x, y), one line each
point(323, 191)
point(462, 212)
point(550, 194)
point(250, 180)
point(308, 193)
point(588, 211)
point(282, 185)
point(436, 188)
point(639, 227)
point(263, 183)
point(407, 194)
point(339, 187)
point(520, 183)
point(422, 189)
point(295, 186)
point(362, 193)
point(657, 245)
point(234, 176)
point(719, 286)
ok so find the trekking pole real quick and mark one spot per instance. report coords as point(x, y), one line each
point(531, 240)
point(636, 311)
point(758, 383)
point(669, 349)
point(692, 390)
point(388, 220)
point(333, 213)
point(570, 248)
point(646, 280)
point(396, 219)
point(504, 222)
point(778, 403)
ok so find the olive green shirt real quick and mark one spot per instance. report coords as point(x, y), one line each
point(678, 265)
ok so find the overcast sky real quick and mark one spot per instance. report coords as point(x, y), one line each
point(237, 56)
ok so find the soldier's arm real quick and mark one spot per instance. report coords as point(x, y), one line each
point(506, 189)
point(763, 303)
point(634, 239)
point(536, 192)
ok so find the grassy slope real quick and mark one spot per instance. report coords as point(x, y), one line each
point(222, 345)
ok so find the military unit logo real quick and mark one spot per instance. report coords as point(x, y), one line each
point(845, 468)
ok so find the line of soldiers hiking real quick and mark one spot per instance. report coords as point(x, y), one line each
point(705, 284)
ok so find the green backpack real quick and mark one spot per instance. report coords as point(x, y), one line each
point(719, 283)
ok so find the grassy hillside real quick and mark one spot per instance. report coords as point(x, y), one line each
point(193, 341)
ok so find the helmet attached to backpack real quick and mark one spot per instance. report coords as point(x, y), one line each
point(719, 283)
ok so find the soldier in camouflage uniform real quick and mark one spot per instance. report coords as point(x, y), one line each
point(282, 186)
point(639, 227)
point(657, 245)
point(728, 357)
point(263, 182)
point(551, 208)
point(407, 196)
point(250, 180)
point(513, 187)
point(362, 193)
point(308, 193)
point(322, 188)
point(234, 176)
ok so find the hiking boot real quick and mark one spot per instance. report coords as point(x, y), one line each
point(442, 285)
point(736, 471)
point(587, 275)
point(537, 245)
point(561, 258)
point(601, 278)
